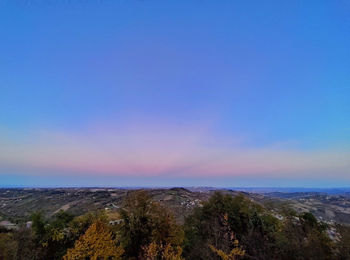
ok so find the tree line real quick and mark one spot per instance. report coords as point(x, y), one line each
point(224, 227)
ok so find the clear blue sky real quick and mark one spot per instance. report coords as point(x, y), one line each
point(252, 93)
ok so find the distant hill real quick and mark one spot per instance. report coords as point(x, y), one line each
point(19, 203)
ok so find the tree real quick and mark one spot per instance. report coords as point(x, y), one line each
point(8, 246)
point(38, 226)
point(172, 253)
point(253, 226)
point(156, 251)
point(96, 243)
point(144, 222)
point(344, 242)
point(303, 237)
point(233, 255)
point(237, 251)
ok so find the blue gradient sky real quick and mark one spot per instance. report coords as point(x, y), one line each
point(225, 93)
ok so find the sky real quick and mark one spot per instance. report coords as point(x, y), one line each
point(175, 93)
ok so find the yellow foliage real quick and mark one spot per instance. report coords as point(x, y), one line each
point(151, 251)
point(236, 252)
point(154, 251)
point(96, 243)
point(172, 253)
point(57, 235)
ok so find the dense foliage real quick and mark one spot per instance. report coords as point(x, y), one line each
point(224, 227)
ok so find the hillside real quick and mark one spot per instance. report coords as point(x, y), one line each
point(18, 204)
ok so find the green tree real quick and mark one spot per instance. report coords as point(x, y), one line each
point(343, 244)
point(237, 251)
point(38, 226)
point(144, 222)
point(8, 246)
point(253, 226)
point(303, 237)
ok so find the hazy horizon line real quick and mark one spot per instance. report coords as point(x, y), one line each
point(171, 187)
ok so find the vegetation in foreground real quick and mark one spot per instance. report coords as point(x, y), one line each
point(224, 227)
